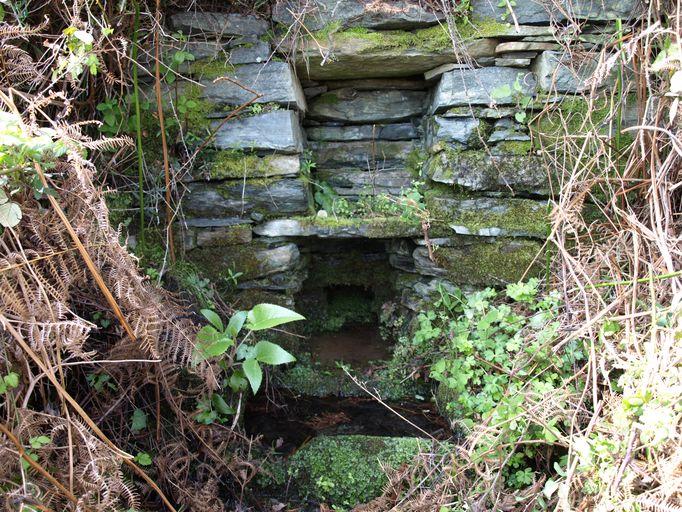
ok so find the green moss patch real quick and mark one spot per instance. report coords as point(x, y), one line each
point(345, 471)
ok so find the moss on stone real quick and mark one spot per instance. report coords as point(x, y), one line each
point(485, 263)
point(520, 217)
point(477, 28)
point(328, 98)
point(212, 68)
point(345, 471)
point(514, 147)
point(237, 164)
point(372, 227)
point(430, 39)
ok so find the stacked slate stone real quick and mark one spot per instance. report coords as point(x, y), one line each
point(381, 98)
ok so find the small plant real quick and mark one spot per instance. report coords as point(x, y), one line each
point(100, 382)
point(215, 339)
point(515, 91)
point(9, 382)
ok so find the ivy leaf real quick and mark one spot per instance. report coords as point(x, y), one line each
point(139, 420)
point(265, 316)
point(10, 214)
point(213, 318)
point(271, 353)
point(143, 459)
point(253, 373)
point(11, 380)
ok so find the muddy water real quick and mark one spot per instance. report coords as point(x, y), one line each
point(288, 422)
point(355, 344)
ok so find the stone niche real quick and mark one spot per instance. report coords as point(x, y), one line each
point(371, 103)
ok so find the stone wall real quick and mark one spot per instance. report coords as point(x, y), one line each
point(379, 99)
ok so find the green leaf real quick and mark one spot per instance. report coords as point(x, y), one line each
point(143, 459)
point(238, 382)
point(10, 214)
point(38, 442)
point(12, 380)
point(271, 353)
point(265, 316)
point(139, 420)
point(550, 488)
point(213, 318)
point(253, 373)
point(213, 343)
point(221, 405)
point(234, 326)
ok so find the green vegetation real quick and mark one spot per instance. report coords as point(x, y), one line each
point(494, 359)
point(347, 470)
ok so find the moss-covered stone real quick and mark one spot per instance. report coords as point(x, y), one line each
point(237, 164)
point(341, 227)
point(224, 236)
point(481, 261)
point(513, 147)
point(345, 471)
point(487, 216)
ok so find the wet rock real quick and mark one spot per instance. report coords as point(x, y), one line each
point(479, 171)
point(384, 54)
point(402, 131)
point(273, 131)
point(462, 131)
point(489, 216)
point(218, 24)
point(275, 81)
point(350, 105)
point(480, 261)
point(400, 14)
point(543, 12)
point(236, 198)
point(365, 155)
point(474, 87)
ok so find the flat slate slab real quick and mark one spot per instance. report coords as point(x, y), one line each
point(218, 24)
point(364, 155)
point(475, 87)
point(539, 11)
point(401, 131)
point(273, 131)
point(236, 198)
point(350, 105)
point(463, 131)
point(275, 81)
point(354, 183)
point(400, 14)
point(339, 228)
point(556, 72)
point(381, 54)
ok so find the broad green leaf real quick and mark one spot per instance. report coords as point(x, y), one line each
point(253, 373)
point(12, 380)
point(213, 319)
point(271, 353)
point(10, 214)
point(265, 316)
point(234, 326)
point(217, 347)
point(139, 420)
point(221, 405)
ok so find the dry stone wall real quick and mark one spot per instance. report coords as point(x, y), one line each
point(378, 98)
